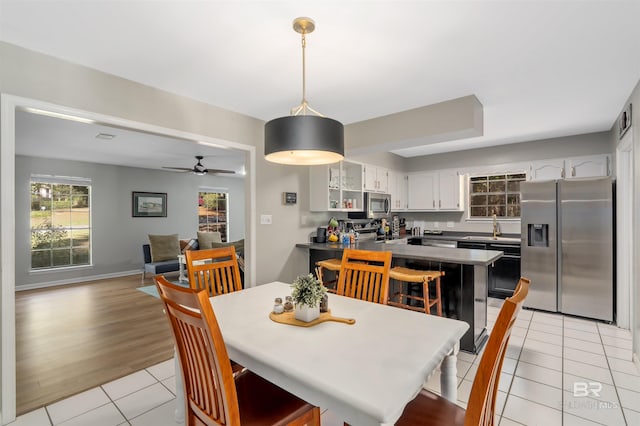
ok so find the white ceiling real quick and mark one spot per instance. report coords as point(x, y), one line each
point(48, 137)
point(540, 68)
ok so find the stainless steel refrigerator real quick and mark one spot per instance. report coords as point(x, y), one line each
point(567, 246)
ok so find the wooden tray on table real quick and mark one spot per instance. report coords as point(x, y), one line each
point(289, 318)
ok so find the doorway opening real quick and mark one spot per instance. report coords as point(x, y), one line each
point(9, 105)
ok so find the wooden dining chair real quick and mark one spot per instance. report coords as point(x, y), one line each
point(364, 275)
point(430, 409)
point(215, 270)
point(213, 395)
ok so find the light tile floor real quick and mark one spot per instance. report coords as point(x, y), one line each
point(558, 370)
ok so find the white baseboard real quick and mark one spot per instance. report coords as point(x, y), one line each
point(77, 280)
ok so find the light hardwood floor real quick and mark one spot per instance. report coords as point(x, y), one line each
point(73, 338)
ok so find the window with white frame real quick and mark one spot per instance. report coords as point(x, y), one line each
point(213, 212)
point(497, 194)
point(60, 222)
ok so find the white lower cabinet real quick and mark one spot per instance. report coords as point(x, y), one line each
point(432, 191)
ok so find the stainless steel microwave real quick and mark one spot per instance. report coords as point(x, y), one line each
point(377, 205)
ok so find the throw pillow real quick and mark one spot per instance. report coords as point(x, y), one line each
point(164, 247)
point(190, 244)
point(206, 238)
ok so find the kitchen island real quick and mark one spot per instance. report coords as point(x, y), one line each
point(465, 280)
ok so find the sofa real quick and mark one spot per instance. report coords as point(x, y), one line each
point(167, 261)
point(160, 267)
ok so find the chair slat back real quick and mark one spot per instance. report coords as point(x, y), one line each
point(214, 270)
point(364, 275)
point(208, 383)
point(482, 399)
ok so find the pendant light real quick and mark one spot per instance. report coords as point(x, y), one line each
point(300, 138)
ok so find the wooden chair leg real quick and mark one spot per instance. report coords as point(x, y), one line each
point(425, 290)
point(439, 296)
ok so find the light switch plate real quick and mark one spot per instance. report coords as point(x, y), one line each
point(265, 219)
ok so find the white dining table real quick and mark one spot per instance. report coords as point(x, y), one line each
point(364, 373)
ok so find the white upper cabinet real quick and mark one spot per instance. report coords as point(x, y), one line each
point(435, 191)
point(398, 190)
point(546, 170)
point(574, 167)
point(376, 179)
point(421, 189)
point(450, 191)
point(591, 166)
point(336, 187)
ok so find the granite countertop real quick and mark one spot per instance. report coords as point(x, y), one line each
point(440, 254)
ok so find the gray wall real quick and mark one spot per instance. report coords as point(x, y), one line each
point(117, 237)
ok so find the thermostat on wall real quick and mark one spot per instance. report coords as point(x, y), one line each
point(289, 197)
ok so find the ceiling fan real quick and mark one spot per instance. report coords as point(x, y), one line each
point(198, 169)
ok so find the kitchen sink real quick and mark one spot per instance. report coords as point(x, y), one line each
point(490, 238)
point(396, 241)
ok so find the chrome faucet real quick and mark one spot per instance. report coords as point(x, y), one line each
point(496, 227)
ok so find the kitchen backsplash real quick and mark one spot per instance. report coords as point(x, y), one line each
point(443, 221)
point(457, 222)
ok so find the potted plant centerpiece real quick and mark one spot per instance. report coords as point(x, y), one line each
point(306, 294)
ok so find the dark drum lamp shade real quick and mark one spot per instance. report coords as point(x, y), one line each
point(304, 140)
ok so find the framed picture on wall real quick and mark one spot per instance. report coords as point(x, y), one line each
point(149, 204)
point(624, 121)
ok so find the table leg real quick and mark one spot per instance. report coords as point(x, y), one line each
point(179, 413)
point(448, 378)
point(182, 276)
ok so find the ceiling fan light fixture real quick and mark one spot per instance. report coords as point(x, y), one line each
point(302, 139)
point(199, 169)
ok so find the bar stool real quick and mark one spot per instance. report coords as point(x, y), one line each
point(400, 273)
point(331, 265)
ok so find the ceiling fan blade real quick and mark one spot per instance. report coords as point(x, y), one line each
point(199, 169)
point(179, 169)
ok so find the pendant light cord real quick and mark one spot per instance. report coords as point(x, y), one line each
point(304, 78)
point(304, 107)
